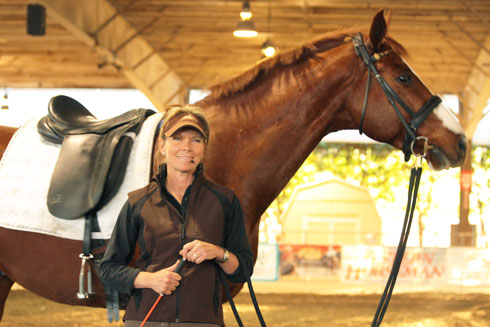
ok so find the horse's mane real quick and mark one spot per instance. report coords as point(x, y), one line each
point(321, 43)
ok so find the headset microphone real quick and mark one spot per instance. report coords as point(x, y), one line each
point(192, 161)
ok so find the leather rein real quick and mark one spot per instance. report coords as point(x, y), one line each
point(418, 117)
point(408, 149)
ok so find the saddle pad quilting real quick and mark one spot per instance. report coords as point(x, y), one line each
point(25, 173)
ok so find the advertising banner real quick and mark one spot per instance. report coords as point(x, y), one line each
point(309, 260)
point(450, 266)
point(267, 265)
point(373, 264)
point(467, 266)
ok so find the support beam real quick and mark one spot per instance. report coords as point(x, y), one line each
point(480, 104)
point(100, 26)
point(477, 91)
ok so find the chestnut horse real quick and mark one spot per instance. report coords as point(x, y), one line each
point(264, 124)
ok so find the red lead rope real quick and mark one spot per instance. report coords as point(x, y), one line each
point(177, 270)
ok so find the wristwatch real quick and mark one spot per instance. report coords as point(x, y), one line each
point(226, 256)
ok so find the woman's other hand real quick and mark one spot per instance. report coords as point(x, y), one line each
point(164, 281)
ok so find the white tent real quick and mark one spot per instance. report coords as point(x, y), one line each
point(331, 212)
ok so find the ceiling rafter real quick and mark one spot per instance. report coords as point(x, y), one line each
point(120, 44)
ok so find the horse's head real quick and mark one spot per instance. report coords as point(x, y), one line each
point(397, 108)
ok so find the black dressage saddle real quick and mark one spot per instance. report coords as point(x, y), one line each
point(93, 157)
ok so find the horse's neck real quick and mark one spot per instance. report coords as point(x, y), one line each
point(261, 136)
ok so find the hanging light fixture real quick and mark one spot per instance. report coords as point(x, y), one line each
point(245, 27)
point(5, 98)
point(268, 47)
point(245, 14)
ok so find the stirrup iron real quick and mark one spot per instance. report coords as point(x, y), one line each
point(81, 279)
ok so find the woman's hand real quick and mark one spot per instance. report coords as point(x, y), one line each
point(164, 281)
point(198, 251)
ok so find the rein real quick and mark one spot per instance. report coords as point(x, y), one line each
point(413, 188)
point(417, 117)
point(408, 149)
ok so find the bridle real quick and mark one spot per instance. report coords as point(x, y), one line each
point(418, 117)
point(408, 149)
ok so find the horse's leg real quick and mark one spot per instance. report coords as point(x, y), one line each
point(5, 285)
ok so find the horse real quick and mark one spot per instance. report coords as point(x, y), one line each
point(264, 124)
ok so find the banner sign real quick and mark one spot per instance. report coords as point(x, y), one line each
point(373, 264)
point(310, 260)
point(267, 265)
point(451, 266)
point(468, 266)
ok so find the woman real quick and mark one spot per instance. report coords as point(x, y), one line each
point(180, 215)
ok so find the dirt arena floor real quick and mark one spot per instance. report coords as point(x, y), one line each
point(419, 309)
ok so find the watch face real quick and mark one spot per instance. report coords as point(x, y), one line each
point(226, 256)
point(223, 259)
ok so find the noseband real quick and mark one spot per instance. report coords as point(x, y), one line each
point(418, 117)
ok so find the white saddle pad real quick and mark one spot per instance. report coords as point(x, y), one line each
point(25, 174)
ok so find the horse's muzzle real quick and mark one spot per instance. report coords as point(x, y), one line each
point(438, 160)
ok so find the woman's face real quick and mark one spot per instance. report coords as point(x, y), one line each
point(183, 150)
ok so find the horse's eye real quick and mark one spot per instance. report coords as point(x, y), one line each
point(405, 79)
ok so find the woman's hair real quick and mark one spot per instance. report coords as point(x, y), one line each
point(175, 111)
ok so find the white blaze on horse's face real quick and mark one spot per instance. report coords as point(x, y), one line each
point(448, 119)
point(441, 111)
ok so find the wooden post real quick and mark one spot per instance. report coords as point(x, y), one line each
point(464, 234)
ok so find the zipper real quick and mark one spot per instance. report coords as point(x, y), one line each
point(182, 238)
point(182, 234)
point(183, 222)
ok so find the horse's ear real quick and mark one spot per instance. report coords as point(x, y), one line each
point(388, 17)
point(378, 30)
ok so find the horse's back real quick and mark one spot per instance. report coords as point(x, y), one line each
point(6, 134)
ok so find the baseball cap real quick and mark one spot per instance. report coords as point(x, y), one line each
point(186, 120)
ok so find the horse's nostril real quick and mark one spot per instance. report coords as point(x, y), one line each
point(462, 143)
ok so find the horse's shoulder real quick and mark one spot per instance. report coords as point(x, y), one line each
point(138, 194)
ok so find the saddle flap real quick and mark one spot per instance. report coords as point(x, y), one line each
point(73, 187)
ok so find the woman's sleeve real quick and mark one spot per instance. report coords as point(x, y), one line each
point(236, 241)
point(114, 270)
